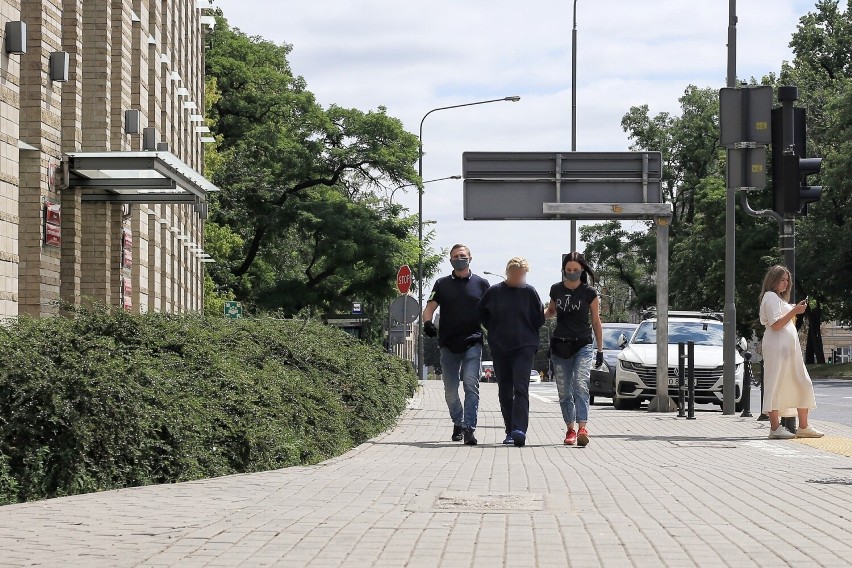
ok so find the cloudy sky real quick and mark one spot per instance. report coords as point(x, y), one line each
point(415, 56)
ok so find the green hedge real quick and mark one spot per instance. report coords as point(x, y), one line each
point(105, 401)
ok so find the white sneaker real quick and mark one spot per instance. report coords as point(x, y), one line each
point(808, 433)
point(781, 433)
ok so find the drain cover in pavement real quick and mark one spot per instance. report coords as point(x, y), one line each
point(488, 502)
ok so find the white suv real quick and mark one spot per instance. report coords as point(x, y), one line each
point(636, 373)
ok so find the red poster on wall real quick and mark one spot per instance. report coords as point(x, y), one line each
point(52, 213)
point(127, 248)
point(52, 224)
point(127, 293)
point(52, 235)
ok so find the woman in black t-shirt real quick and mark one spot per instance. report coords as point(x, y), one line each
point(572, 301)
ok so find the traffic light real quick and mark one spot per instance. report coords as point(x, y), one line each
point(808, 193)
point(790, 169)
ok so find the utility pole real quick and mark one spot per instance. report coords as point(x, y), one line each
point(574, 111)
point(730, 310)
point(788, 96)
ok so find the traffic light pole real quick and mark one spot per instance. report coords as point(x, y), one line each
point(730, 311)
point(788, 96)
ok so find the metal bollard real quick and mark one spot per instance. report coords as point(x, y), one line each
point(747, 378)
point(681, 382)
point(690, 374)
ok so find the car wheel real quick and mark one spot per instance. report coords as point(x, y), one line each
point(739, 406)
point(591, 400)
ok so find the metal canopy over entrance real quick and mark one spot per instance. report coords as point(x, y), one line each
point(135, 177)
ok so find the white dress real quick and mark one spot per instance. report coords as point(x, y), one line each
point(787, 385)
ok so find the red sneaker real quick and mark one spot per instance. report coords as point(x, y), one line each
point(570, 437)
point(583, 437)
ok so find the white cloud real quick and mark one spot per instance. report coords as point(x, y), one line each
point(415, 56)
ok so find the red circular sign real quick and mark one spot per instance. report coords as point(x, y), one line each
point(403, 279)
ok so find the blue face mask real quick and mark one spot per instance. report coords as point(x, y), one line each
point(571, 276)
point(460, 263)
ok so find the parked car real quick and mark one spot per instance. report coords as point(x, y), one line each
point(602, 381)
point(486, 372)
point(535, 376)
point(636, 371)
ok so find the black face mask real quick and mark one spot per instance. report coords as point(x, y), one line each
point(460, 264)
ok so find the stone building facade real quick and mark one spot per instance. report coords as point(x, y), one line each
point(102, 197)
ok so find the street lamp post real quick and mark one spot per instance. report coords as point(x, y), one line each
point(574, 111)
point(513, 99)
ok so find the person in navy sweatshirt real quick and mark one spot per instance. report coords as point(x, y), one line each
point(512, 313)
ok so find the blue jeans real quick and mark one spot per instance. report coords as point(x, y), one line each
point(572, 384)
point(462, 367)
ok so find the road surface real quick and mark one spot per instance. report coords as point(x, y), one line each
point(833, 397)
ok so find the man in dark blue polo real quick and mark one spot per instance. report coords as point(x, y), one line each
point(460, 339)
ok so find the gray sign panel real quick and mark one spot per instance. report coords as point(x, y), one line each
point(745, 115)
point(404, 309)
point(515, 185)
point(747, 167)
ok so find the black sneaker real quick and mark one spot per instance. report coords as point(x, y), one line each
point(457, 433)
point(469, 439)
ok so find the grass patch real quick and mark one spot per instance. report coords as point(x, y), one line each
point(831, 370)
point(104, 401)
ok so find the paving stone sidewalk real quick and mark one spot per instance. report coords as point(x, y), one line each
point(650, 490)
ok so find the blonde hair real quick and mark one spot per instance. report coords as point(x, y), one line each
point(771, 280)
point(518, 262)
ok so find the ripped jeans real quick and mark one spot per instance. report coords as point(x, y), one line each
point(572, 384)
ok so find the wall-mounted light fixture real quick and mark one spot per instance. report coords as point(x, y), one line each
point(16, 38)
point(149, 138)
point(132, 121)
point(60, 61)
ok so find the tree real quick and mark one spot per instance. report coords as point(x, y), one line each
point(823, 72)
point(302, 223)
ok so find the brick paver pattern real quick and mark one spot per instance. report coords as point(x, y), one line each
point(650, 490)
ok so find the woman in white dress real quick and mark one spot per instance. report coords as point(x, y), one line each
point(788, 390)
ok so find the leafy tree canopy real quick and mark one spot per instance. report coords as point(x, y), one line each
point(303, 221)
